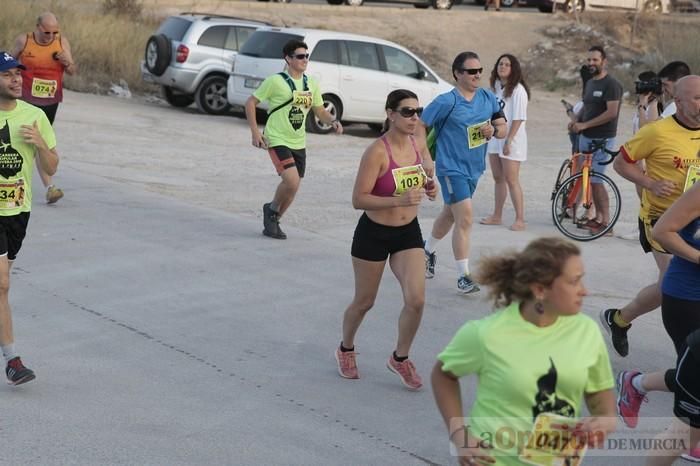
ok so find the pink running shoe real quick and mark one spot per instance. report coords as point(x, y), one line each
point(406, 371)
point(347, 367)
point(693, 455)
point(628, 398)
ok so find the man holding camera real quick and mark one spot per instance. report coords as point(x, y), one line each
point(46, 55)
point(664, 85)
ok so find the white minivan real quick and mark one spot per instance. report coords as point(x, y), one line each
point(355, 72)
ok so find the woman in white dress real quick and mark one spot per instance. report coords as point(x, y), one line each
point(505, 155)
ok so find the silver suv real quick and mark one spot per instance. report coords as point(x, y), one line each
point(190, 56)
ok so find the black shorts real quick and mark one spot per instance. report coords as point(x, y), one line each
point(50, 111)
point(13, 229)
point(645, 239)
point(375, 242)
point(283, 157)
point(686, 401)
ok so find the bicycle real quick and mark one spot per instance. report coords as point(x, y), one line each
point(572, 192)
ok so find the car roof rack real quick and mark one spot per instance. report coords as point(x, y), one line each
point(207, 16)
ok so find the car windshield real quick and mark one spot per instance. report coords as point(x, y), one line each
point(267, 44)
point(174, 28)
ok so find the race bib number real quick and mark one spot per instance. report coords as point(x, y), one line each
point(12, 194)
point(302, 99)
point(552, 443)
point(692, 177)
point(44, 88)
point(406, 178)
point(474, 136)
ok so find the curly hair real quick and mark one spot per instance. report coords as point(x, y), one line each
point(510, 275)
point(516, 76)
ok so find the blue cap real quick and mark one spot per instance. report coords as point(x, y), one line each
point(7, 62)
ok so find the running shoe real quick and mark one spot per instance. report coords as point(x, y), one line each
point(617, 333)
point(693, 455)
point(466, 285)
point(347, 366)
point(628, 398)
point(271, 223)
point(17, 374)
point(53, 194)
point(406, 372)
point(430, 261)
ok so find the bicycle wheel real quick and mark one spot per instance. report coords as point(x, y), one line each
point(564, 173)
point(567, 200)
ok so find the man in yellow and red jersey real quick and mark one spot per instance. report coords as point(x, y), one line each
point(46, 55)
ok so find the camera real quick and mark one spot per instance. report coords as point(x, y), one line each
point(647, 86)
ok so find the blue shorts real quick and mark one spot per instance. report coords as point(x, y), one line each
point(599, 156)
point(456, 188)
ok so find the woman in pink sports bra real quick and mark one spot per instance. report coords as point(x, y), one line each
point(395, 175)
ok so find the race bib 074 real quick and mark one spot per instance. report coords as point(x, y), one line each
point(410, 177)
point(12, 194)
point(44, 88)
point(474, 136)
point(553, 443)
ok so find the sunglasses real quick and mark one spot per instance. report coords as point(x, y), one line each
point(408, 112)
point(301, 56)
point(471, 71)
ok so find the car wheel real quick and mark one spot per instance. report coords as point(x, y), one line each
point(507, 3)
point(332, 106)
point(158, 54)
point(442, 4)
point(653, 6)
point(572, 6)
point(175, 99)
point(335, 2)
point(354, 2)
point(545, 8)
point(211, 96)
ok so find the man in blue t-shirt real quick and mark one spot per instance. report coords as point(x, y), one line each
point(464, 119)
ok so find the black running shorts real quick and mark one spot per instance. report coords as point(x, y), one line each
point(686, 402)
point(283, 158)
point(645, 239)
point(13, 229)
point(375, 242)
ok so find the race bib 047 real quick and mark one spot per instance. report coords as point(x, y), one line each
point(553, 443)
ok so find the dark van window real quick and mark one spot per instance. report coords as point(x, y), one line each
point(326, 51)
point(174, 28)
point(215, 36)
point(267, 44)
point(363, 55)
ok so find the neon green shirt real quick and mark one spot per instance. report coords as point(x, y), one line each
point(524, 370)
point(286, 127)
point(17, 156)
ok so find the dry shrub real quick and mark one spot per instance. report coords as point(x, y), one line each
point(131, 8)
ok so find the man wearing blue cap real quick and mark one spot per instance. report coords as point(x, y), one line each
point(26, 136)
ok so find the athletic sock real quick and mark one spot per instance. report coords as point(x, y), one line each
point(637, 384)
point(462, 267)
point(619, 321)
point(399, 359)
point(431, 244)
point(274, 207)
point(8, 352)
point(346, 350)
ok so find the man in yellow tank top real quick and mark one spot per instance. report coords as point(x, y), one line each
point(46, 54)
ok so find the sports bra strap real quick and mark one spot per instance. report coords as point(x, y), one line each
point(388, 147)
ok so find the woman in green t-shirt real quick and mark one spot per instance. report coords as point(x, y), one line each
point(537, 354)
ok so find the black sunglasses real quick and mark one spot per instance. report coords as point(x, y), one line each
point(471, 71)
point(408, 112)
point(300, 56)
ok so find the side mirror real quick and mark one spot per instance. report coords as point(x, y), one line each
point(421, 75)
